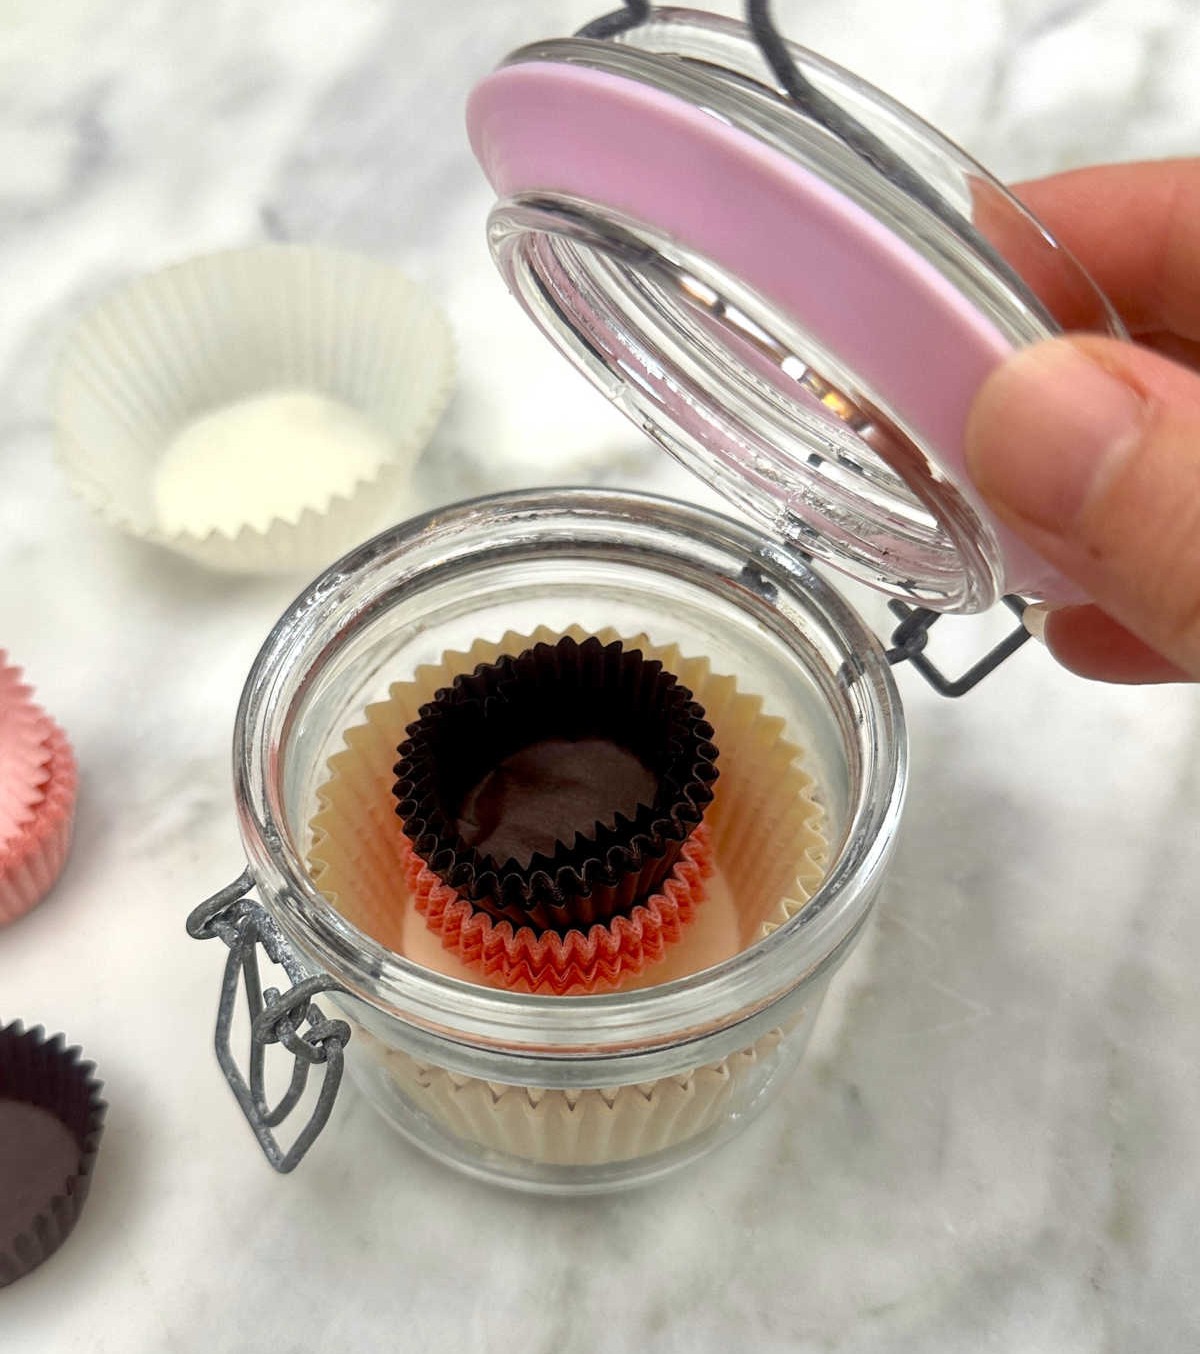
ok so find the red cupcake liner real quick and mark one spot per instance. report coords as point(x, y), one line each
point(580, 961)
point(32, 859)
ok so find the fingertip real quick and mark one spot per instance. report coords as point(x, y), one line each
point(1089, 643)
point(1047, 428)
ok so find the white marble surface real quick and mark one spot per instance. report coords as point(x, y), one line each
point(995, 1143)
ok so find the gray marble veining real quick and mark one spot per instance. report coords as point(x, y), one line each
point(993, 1144)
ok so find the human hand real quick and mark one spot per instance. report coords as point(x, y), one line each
point(1090, 449)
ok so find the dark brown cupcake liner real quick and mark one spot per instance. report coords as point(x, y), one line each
point(565, 691)
point(37, 1073)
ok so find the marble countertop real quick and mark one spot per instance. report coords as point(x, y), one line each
point(993, 1144)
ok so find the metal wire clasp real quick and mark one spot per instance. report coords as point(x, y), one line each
point(244, 925)
point(912, 634)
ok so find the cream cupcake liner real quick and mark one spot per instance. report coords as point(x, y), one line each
point(768, 837)
point(592, 1126)
point(167, 348)
point(767, 826)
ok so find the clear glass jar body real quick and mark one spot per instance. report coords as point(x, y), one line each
point(579, 1093)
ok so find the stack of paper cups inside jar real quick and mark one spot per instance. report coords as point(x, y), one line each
point(565, 814)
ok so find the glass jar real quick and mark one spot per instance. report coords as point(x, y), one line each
point(570, 1094)
point(798, 295)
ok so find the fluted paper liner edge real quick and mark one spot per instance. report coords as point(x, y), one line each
point(591, 1126)
point(596, 959)
point(165, 347)
point(24, 751)
point(44, 1072)
point(766, 825)
point(33, 858)
point(602, 868)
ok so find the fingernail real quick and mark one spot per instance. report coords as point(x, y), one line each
point(1047, 430)
point(1034, 618)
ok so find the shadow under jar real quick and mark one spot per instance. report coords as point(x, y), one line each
point(571, 1094)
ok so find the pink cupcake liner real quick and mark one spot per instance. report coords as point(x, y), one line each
point(32, 858)
point(24, 751)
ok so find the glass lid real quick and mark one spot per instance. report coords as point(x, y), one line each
point(799, 302)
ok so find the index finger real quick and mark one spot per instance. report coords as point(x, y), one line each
point(1136, 229)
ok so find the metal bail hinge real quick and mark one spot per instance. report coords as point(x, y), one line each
point(244, 925)
point(912, 635)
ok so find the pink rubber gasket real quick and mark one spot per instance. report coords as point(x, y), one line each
point(799, 243)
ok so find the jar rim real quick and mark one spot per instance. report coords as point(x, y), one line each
point(299, 647)
point(831, 400)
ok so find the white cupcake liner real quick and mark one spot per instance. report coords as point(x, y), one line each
point(167, 348)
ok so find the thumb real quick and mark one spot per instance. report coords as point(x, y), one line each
point(1090, 450)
